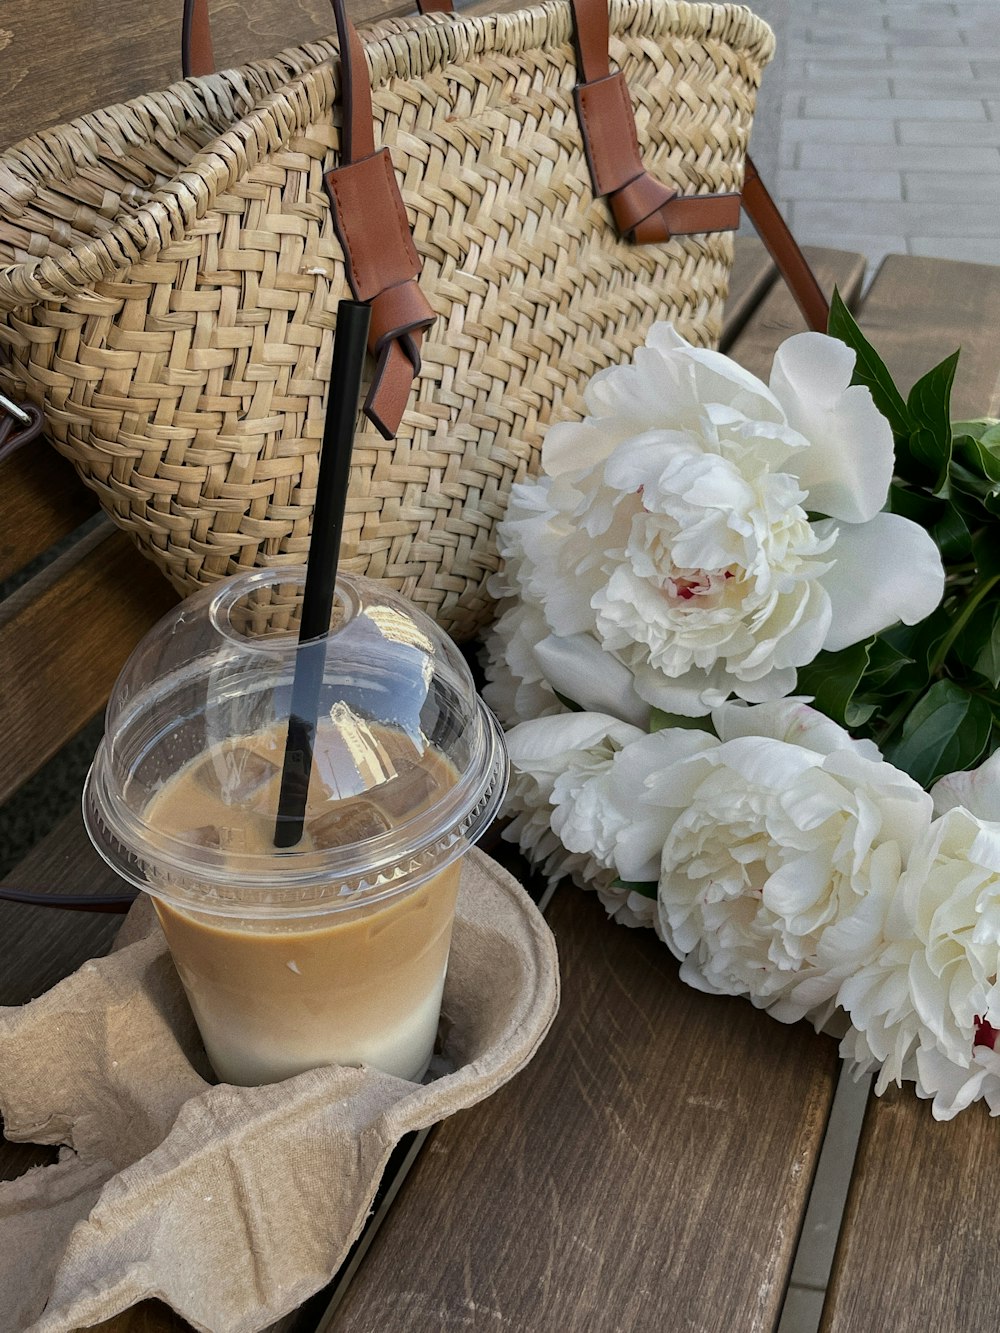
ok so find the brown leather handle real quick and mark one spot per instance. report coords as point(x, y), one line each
point(197, 56)
point(784, 249)
point(644, 209)
point(369, 218)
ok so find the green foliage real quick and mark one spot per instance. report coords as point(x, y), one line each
point(646, 887)
point(946, 730)
point(927, 693)
point(658, 720)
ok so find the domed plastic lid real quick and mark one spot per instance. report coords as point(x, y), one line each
point(408, 765)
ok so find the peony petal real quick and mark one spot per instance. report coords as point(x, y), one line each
point(883, 571)
point(777, 682)
point(577, 446)
point(790, 720)
point(579, 669)
point(692, 695)
point(977, 791)
point(848, 465)
point(544, 742)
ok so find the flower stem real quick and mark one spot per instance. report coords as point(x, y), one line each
point(960, 622)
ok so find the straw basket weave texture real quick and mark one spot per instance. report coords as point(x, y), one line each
point(170, 274)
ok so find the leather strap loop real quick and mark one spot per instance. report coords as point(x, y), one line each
point(369, 218)
point(355, 90)
point(592, 39)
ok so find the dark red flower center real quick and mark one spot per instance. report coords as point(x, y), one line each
point(986, 1034)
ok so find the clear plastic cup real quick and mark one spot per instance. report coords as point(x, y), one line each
point(333, 951)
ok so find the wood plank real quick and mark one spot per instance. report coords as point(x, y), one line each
point(921, 1230)
point(777, 317)
point(918, 1245)
point(124, 49)
point(920, 310)
point(752, 276)
point(63, 639)
point(655, 1156)
point(41, 501)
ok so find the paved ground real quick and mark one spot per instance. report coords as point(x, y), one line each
point(890, 126)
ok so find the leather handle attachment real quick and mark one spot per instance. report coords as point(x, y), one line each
point(644, 209)
point(784, 249)
point(197, 56)
point(369, 218)
point(382, 262)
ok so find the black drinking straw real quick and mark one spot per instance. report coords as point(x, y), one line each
point(321, 568)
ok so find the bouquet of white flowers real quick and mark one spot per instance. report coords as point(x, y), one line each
point(748, 657)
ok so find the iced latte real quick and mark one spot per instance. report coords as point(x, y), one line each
point(358, 986)
point(333, 951)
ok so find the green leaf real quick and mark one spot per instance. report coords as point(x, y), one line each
point(985, 428)
point(832, 679)
point(885, 661)
point(946, 731)
point(986, 550)
point(977, 645)
point(929, 410)
point(918, 506)
point(571, 704)
point(646, 887)
point(659, 720)
point(870, 369)
point(951, 534)
point(920, 643)
point(970, 491)
point(858, 712)
point(987, 663)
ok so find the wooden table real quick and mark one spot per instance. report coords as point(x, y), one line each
point(651, 1168)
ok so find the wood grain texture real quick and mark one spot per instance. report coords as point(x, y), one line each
point(63, 639)
point(920, 310)
point(58, 59)
point(753, 275)
point(41, 501)
point(777, 317)
point(629, 1179)
point(921, 1230)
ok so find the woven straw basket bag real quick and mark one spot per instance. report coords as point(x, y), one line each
point(171, 271)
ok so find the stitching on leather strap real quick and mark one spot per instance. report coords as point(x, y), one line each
point(363, 193)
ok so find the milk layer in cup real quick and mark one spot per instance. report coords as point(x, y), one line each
point(363, 985)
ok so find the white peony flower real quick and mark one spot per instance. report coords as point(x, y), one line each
point(927, 1005)
point(626, 907)
point(786, 843)
point(609, 817)
point(551, 758)
point(516, 688)
point(672, 526)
